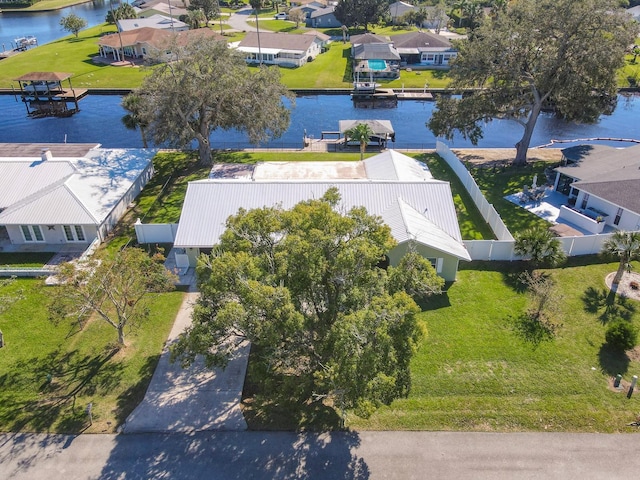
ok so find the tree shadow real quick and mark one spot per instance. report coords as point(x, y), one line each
point(607, 305)
point(274, 455)
point(612, 360)
point(531, 330)
point(130, 398)
point(59, 379)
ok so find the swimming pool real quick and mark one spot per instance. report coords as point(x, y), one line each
point(377, 65)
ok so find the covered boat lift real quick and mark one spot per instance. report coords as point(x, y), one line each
point(382, 130)
point(44, 95)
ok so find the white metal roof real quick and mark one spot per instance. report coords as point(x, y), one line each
point(392, 165)
point(208, 204)
point(70, 190)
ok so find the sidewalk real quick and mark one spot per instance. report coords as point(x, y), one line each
point(194, 399)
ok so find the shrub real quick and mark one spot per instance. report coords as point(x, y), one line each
point(621, 334)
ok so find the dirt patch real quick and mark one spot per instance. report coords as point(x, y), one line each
point(624, 288)
point(504, 156)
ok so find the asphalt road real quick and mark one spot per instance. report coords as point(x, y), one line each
point(364, 455)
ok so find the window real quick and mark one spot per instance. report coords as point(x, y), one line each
point(74, 233)
point(32, 233)
point(616, 221)
point(585, 200)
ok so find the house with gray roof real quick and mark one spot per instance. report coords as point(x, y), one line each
point(284, 49)
point(435, 20)
point(53, 195)
point(418, 209)
point(424, 49)
point(602, 185)
point(323, 18)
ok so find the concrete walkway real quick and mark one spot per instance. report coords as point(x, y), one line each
point(193, 399)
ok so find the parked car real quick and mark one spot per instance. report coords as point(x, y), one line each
point(281, 16)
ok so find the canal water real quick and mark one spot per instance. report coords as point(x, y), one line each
point(99, 120)
point(45, 26)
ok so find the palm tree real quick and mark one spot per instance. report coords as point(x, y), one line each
point(625, 246)
point(133, 104)
point(540, 246)
point(360, 133)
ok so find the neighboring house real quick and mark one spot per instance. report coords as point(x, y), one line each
point(424, 49)
point(323, 18)
point(635, 12)
point(159, 22)
point(602, 184)
point(373, 59)
point(312, 3)
point(398, 9)
point(418, 209)
point(324, 39)
point(280, 48)
point(147, 43)
point(160, 8)
point(57, 194)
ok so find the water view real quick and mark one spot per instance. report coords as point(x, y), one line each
point(99, 120)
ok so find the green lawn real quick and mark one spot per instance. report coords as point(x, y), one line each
point(476, 372)
point(24, 260)
point(43, 5)
point(49, 373)
point(498, 182)
point(73, 56)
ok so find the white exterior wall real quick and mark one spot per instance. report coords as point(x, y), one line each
point(54, 236)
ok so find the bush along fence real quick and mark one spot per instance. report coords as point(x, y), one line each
point(502, 248)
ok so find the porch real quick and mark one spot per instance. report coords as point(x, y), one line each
point(553, 207)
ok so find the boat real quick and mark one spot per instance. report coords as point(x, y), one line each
point(22, 43)
point(368, 94)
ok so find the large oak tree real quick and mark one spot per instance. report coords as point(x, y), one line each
point(356, 13)
point(304, 286)
point(209, 87)
point(557, 54)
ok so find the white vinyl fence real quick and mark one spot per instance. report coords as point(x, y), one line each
point(502, 249)
point(156, 232)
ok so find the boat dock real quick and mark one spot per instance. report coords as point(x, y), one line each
point(414, 95)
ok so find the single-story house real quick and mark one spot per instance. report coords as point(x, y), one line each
point(424, 49)
point(313, 3)
point(160, 8)
point(323, 18)
point(602, 184)
point(323, 38)
point(418, 209)
point(280, 48)
point(375, 60)
point(160, 22)
point(366, 38)
point(57, 194)
point(147, 43)
point(434, 22)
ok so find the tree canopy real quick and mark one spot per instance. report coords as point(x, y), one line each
point(210, 8)
point(539, 246)
point(210, 87)
point(361, 133)
point(113, 288)
point(304, 287)
point(356, 13)
point(124, 11)
point(538, 54)
point(626, 247)
point(72, 23)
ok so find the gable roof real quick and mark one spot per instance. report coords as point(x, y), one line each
point(379, 127)
point(321, 12)
point(319, 35)
point(414, 205)
point(43, 77)
point(278, 41)
point(68, 190)
point(420, 41)
point(397, 9)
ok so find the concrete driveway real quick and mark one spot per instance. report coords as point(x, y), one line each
point(238, 20)
point(194, 399)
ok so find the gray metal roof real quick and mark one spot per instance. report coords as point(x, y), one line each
point(208, 204)
point(69, 190)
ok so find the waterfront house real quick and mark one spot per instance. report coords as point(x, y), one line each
point(602, 185)
point(418, 209)
point(284, 49)
point(423, 49)
point(147, 43)
point(374, 57)
point(52, 195)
